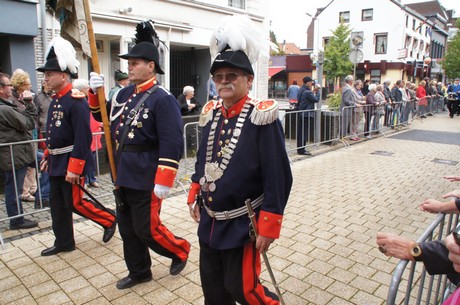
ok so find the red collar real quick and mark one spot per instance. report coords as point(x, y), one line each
point(235, 109)
point(146, 85)
point(63, 91)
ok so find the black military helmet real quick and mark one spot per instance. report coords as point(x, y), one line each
point(145, 50)
point(234, 59)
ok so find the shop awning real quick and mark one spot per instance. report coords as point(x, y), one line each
point(275, 70)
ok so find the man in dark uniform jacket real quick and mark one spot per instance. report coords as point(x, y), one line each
point(147, 161)
point(241, 156)
point(68, 155)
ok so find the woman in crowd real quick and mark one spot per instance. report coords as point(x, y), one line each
point(356, 117)
point(370, 109)
point(189, 105)
point(380, 102)
point(421, 95)
point(21, 83)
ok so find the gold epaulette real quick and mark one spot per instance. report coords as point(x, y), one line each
point(265, 111)
point(206, 112)
point(77, 94)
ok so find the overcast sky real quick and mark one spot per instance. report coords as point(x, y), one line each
point(289, 21)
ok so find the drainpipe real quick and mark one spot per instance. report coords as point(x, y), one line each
point(44, 28)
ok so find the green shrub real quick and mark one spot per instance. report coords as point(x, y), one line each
point(334, 99)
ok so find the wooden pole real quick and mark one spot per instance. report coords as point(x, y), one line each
point(100, 91)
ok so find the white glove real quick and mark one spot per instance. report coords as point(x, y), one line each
point(95, 81)
point(161, 191)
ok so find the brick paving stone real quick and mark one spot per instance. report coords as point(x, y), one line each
point(326, 253)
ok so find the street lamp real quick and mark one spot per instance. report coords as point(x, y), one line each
point(318, 58)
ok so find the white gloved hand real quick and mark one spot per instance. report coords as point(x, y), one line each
point(161, 191)
point(95, 81)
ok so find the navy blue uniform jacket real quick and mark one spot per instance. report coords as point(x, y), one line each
point(68, 124)
point(259, 165)
point(157, 128)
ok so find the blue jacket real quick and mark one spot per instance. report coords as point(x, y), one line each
point(156, 134)
point(67, 125)
point(259, 165)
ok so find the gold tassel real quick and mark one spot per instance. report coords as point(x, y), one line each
point(265, 112)
point(206, 112)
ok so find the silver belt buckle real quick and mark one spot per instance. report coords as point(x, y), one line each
point(210, 213)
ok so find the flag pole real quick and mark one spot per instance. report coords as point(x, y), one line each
point(100, 91)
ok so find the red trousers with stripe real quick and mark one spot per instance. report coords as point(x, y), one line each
point(232, 275)
point(66, 198)
point(141, 228)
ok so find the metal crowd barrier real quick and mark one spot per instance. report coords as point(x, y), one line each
point(39, 204)
point(421, 287)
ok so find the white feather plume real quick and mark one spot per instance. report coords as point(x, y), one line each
point(65, 53)
point(239, 33)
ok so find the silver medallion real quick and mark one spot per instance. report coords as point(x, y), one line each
point(204, 187)
point(202, 180)
point(212, 187)
point(145, 116)
point(58, 123)
point(131, 135)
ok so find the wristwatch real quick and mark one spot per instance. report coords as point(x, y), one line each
point(416, 252)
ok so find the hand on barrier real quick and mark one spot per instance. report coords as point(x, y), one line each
point(96, 81)
point(161, 191)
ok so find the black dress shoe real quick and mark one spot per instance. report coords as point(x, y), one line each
point(128, 282)
point(55, 250)
point(108, 233)
point(177, 266)
point(304, 153)
point(25, 224)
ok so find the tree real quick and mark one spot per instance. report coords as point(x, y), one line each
point(278, 51)
point(336, 62)
point(451, 63)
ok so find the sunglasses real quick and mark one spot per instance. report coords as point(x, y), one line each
point(6, 85)
point(232, 76)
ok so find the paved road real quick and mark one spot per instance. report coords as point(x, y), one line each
point(326, 254)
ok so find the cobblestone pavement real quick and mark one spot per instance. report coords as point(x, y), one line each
point(326, 254)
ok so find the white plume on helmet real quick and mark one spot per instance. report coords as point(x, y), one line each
point(239, 33)
point(65, 53)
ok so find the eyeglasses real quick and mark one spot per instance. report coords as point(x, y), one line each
point(6, 85)
point(232, 76)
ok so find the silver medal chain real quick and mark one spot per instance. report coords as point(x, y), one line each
point(213, 171)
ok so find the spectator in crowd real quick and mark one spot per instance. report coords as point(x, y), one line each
point(433, 254)
point(347, 104)
point(397, 95)
point(410, 103)
point(380, 102)
point(422, 99)
point(370, 109)
point(365, 89)
point(15, 126)
point(431, 93)
point(188, 103)
point(389, 102)
point(122, 80)
point(307, 98)
point(68, 155)
point(453, 99)
point(82, 85)
point(292, 93)
point(212, 94)
point(360, 100)
point(21, 84)
point(42, 102)
point(404, 109)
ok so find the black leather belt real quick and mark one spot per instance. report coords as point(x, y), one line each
point(138, 147)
